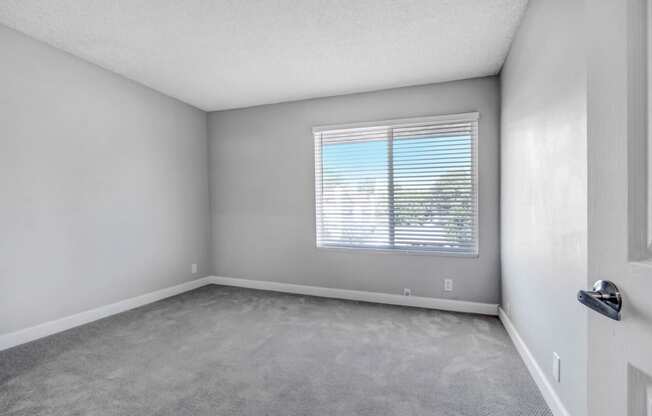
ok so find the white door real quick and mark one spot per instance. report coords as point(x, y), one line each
point(619, 352)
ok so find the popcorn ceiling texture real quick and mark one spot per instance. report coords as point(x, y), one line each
point(226, 53)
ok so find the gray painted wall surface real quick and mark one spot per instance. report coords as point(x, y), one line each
point(103, 186)
point(544, 190)
point(262, 185)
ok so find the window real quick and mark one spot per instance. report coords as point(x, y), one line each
point(398, 185)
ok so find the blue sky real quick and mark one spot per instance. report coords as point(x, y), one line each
point(371, 156)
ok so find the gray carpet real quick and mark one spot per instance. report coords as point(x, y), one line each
point(227, 351)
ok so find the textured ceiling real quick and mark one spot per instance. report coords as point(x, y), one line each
point(219, 54)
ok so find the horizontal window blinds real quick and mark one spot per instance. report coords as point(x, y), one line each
point(399, 185)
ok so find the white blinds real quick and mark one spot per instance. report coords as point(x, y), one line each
point(399, 185)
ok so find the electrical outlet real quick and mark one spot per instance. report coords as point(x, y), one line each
point(556, 367)
point(407, 292)
point(448, 285)
point(193, 268)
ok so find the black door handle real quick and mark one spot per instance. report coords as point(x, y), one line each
point(604, 298)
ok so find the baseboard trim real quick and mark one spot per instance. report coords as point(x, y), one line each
point(22, 336)
point(550, 396)
point(359, 295)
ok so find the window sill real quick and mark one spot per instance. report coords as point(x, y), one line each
point(398, 252)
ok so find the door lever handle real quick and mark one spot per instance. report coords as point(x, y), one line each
point(605, 298)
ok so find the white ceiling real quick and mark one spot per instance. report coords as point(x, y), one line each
point(219, 54)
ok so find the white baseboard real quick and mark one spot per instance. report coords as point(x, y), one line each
point(550, 396)
point(52, 327)
point(22, 336)
point(359, 295)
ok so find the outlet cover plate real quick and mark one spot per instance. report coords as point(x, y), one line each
point(556, 367)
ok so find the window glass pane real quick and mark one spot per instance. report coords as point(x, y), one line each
point(433, 192)
point(355, 194)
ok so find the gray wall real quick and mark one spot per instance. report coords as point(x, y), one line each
point(262, 185)
point(544, 190)
point(103, 186)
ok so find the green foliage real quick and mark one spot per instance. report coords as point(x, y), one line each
point(445, 205)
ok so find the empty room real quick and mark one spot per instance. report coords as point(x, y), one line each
point(324, 207)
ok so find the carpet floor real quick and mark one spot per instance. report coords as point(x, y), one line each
point(229, 351)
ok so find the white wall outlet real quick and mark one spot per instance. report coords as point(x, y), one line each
point(556, 367)
point(407, 292)
point(193, 268)
point(448, 285)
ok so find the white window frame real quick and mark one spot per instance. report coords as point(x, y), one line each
point(397, 123)
point(647, 62)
